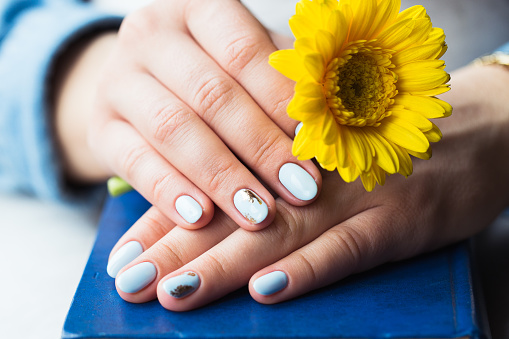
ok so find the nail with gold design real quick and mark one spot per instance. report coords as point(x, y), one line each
point(182, 285)
point(251, 206)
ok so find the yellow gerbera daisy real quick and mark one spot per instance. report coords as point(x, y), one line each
point(367, 76)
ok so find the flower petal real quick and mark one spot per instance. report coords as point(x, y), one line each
point(385, 156)
point(396, 33)
point(423, 52)
point(405, 162)
point(288, 63)
point(434, 135)
point(416, 119)
point(314, 63)
point(386, 13)
point(428, 107)
point(404, 134)
point(358, 150)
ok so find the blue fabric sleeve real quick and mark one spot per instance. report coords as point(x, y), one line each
point(504, 48)
point(33, 35)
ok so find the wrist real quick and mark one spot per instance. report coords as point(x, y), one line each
point(76, 82)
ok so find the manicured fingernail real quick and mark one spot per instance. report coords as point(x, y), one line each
point(299, 182)
point(182, 285)
point(297, 129)
point(251, 206)
point(270, 283)
point(124, 256)
point(137, 277)
point(188, 208)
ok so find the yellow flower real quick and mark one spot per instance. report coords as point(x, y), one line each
point(366, 80)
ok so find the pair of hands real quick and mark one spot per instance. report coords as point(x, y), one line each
point(176, 97)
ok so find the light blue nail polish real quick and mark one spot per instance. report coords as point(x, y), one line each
point(182, 285)
point(137, 277)
point(188, 208)
point(270, 283)
point(297, 129)
point(298, 182)
point(124, 256)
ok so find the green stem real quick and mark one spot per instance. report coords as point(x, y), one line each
point(118, 186)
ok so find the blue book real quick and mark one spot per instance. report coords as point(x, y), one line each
point(431, 296)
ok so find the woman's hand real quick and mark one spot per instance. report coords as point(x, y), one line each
point(186, 104)
point(447, 199)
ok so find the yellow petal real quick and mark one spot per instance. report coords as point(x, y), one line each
point(307, 87)
point(417, 53)
point(368, 181)
point(325, 45)
point(303, 148)
point(363, 12)
point(422, 81)
point(415, 118)
point(338, 27)
point(432, 92)
point(301, 26)
point(427, 106)
point(434, 135)
point(396, 33)
point(359, 152)
point(314, 64)
point(341, 152)
point(386, 13)
point(405, 162)
point(330, 130)
point(419, 34)
point(349, 173)
point(424, 156)
point(414, 12)
point(288, 63)
point(385, 156)
point(403, 134)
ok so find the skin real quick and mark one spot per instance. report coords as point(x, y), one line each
point(195, 122)
point(346, 230)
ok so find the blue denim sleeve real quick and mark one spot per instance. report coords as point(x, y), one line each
point(33, 34)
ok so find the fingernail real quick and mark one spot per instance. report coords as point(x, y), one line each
point(270, 283)
point(299, 182)
point(123, 256)
point(137, 277)
point(297, 129)
point(182, 285)
point(188, 208)
point(251, 206)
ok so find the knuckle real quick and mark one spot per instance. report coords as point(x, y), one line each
point(172, 252)
point(160, 188)
point(279, 108)
point(267, 147)
point(351, 243)
point(131, 159)
point(137, 26)
point(308, 268)
point(288, 226)
point(153, 226)
point(240, 52)
point(218, 264)
point(218, 173)
point(170, 122)
point(212, 95)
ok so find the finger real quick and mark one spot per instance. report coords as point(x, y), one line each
point(133, 159)
point(241, 46)
point(230, 264)
point(231, 113)
point(194, 149)
point(137, 282)
point(145, 232)
point(362, 242)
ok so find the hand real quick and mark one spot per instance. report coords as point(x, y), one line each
point(447, 199)
point(180, 100)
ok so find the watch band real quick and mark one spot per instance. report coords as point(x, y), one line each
point(497, 58)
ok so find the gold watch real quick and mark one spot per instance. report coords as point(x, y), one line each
point(497, 58)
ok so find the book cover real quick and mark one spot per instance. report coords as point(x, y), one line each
point(430, 296)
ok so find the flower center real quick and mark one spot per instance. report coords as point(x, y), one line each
point(359, 85)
